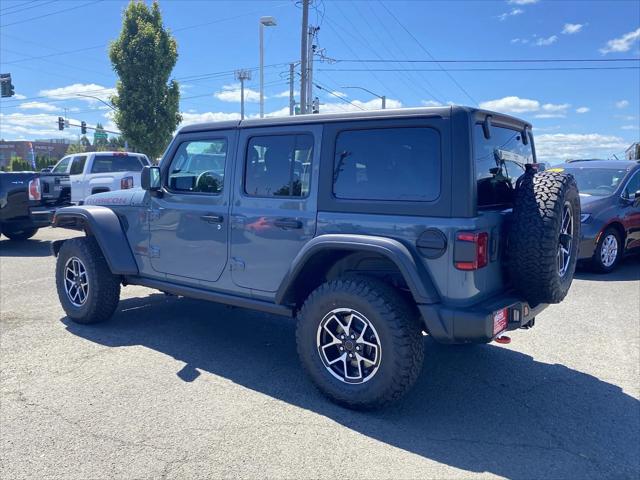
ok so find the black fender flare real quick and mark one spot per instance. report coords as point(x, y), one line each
point(103, 224)
point(414, 273)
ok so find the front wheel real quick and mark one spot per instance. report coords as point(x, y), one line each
point(360, 342)
point(88, 291)
point(608, 250)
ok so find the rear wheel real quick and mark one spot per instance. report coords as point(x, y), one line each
point(360, 342)
point(608, 251)
point(88, 291)
point(20, 235)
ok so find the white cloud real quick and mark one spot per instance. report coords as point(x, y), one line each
point(31, 126)
point(430, 103)
point(550, 115)
point(582, 109)
point(622, 44)
point(551, 107)
point(564, 146)
point(511, 105)
point(47, 107)
point(628, 118)
point(522, 2)
point(520, 40)
point(188, 117)
point(19, 96)
point(73, 91)
point(285, 94)
point(231, 93)
point(337, 93)
point(545, 42)
point(516, 11)
point(629, 127)
point(571, 28)
point(622, 104)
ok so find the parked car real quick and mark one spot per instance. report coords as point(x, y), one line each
point(23, 210)
point(610, 197)
point(84, 174)
point(369, 227)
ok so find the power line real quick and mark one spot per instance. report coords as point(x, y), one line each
point(513, 69)
point(520, 60)
point(49, 14)
point(26, 8)
point(47, 56)
point(428, 53)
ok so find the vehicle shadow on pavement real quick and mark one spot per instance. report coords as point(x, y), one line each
point(25, 248)
point(628, 270)
point(477, 408)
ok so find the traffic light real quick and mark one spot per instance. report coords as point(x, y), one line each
point(83, 127)
point(8, 90)
point(60, 123)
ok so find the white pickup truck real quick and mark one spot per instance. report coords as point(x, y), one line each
point(96, 172)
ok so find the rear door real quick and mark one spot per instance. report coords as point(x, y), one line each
point(76, 171)
point(189, 219)
point(631, 211)
point(275, 202)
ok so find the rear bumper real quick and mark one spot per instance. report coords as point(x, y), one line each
point(479, 323)
point(41, 216)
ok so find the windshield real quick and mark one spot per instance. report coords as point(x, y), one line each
point(599, 182)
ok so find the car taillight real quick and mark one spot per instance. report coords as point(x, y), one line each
point(126, 182)
point(479, 254)
point(34, 189)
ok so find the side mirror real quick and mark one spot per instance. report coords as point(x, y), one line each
point(150, 178)
point(636, 199)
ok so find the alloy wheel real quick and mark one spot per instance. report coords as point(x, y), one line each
point(76, 281)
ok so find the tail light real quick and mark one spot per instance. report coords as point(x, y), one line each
point(472, 250)
point(34, 189)
point(126, 182)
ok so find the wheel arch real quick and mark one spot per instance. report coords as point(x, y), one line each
point(326, 253)
point(617, 225)
point(104, 225)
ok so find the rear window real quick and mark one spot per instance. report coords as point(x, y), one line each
point(499, 161)
point(401, 164)
point(104, 163)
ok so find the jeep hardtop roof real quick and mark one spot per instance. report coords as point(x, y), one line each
point(397, 113)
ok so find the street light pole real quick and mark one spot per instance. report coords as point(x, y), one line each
point(381, 97)
point(264, 22)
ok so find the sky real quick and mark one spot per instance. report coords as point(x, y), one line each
point(416, 53)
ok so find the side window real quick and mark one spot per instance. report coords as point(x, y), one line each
point(387, 164)
point(278, 166)
point(62, 165)
point(633, 185)
point(198, 166)
point(77, 166)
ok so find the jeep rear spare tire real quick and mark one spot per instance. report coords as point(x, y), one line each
point(543, 236)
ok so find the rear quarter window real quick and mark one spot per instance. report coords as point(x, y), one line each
point(116, 163)
point(387, 164)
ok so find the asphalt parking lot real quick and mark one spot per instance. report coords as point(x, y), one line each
point(177, 388)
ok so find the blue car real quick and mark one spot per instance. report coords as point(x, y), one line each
point(610, 200)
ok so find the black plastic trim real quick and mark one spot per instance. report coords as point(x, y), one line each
point(414, 273)
point(104, 225)
point(217, 297)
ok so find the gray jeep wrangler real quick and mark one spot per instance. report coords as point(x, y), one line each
point(371, 228)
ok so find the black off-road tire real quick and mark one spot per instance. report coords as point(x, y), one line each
point(534, 235)
point(400, 335)
point(104, 287)
point(20, 235)
point(596, 261)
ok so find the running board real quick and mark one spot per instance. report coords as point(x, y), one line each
point(201, 294)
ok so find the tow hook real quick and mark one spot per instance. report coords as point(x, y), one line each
point(529, 324)
point(503, 339)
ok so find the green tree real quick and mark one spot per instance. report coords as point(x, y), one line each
point(115, 143)
point(85, 142)
point(143, 56)
point(100, 141)
point(76, 148)
point(17, 164)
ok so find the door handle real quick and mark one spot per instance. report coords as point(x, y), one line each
point(288, 223)
point(212, 218)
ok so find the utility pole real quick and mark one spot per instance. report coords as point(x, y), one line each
point(311, 46)
point(304, 51)
point(242, 75)
point(292, 100)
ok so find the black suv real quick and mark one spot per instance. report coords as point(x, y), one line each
point(371, 228)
